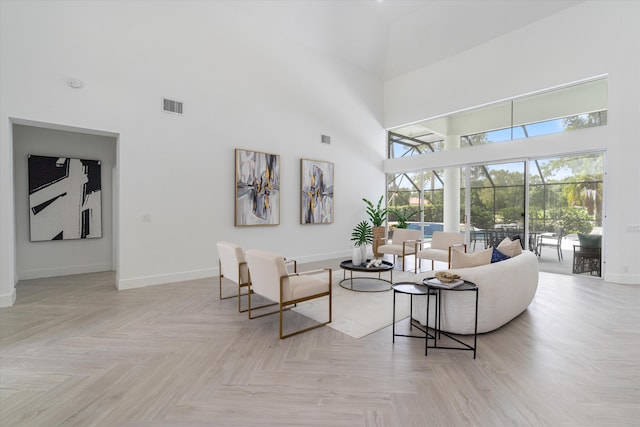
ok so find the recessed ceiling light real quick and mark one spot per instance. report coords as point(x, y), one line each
point(75, 83)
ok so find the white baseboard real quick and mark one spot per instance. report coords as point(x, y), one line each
point(623, 279)
point(62, 271)
point(322, 257)
point(161, 279)
point(7, 300)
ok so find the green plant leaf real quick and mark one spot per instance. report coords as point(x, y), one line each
point(362, 234)
point(402, 216)
point(377, 214)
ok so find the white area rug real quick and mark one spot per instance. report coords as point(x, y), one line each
point(358, 314)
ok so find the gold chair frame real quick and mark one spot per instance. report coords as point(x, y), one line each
point(286, 305)
point(240, 285)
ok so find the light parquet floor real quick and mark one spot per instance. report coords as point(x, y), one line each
point(74, 351)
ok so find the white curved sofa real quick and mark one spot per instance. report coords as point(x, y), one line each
point(505, 289)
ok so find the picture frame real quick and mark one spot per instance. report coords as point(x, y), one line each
point(316, 192)
point(65, 198)
point(257, 192)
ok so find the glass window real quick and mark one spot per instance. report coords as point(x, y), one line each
point(563, 109)
point(413, 144)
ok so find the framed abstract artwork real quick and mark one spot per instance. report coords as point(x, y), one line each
point(316, 199)
point(257, 188)
point(65, 198)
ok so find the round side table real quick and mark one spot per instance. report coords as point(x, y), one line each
point(412, 289)
point(436, 290)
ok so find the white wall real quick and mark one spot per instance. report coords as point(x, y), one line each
point(57, 258)
point(242, 87)
point(590, 39)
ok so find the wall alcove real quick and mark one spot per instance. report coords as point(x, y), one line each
point(39, 259)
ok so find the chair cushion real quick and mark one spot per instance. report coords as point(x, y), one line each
point(461, 260)
point(497, 256)
point(590, 240)
point(296, 287)
point(510, 247)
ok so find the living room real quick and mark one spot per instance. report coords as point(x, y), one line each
point(245, 85)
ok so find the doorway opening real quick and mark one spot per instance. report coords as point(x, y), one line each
point(42, 258)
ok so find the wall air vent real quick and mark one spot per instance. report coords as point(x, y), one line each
point(171, 106)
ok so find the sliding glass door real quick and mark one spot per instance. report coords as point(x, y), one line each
point(549, 203)
point(566, 201)
point(496, 207)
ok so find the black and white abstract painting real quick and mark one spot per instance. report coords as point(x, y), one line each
point(257, 188)
point(65, 200)
point(316, 201)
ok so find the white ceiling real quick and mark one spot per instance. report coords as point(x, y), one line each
point(394, 37)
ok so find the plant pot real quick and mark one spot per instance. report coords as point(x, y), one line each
point(378, 236)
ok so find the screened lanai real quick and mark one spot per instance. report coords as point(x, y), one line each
point(547, 202)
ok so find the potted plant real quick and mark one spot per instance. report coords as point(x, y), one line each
point(377, 216)
point(362, 236)
point(402, 216)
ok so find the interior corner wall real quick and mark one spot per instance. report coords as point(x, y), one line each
point(61, 257)
point(8, 278)
point(590, 39)
point(243, 85)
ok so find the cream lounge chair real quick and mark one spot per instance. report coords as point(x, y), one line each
point(403, 244)
point(270, 279)
point(440, 250)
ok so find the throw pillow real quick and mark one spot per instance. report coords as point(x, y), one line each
point(504, 241)
point(519, 239)
point(510, 248)
point(497, 256)
point(461, 260)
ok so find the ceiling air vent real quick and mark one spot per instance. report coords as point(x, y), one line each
point(171, 106)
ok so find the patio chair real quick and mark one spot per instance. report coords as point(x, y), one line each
point(587, 256)
point(550, 240)
point(441, 244)
point(478, 234)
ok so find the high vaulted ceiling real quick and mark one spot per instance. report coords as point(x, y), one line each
point(392, 37)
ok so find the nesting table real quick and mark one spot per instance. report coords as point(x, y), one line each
point(411, 289)
point(435, 291)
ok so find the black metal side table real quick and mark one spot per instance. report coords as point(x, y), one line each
point(411, 289)
point(436, 290)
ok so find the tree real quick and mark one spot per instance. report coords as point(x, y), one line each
point(588, 120)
